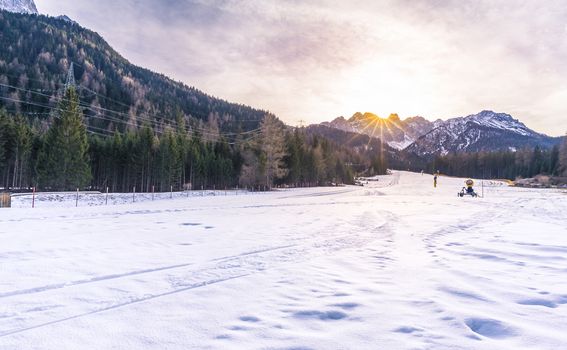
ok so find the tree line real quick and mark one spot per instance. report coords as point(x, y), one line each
point(65, 156)
point(524, 163)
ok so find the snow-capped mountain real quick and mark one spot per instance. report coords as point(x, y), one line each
point(395, 132)
point(21, 6)
point(485, 131)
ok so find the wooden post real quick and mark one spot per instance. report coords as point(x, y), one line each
point(33, 198)
point(106, 200)
point(171, 191)
point(153, 191)
point(134, 194)
point(5, 200)
point(77, 199)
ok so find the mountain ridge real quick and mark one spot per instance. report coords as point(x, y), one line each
point(484, 131)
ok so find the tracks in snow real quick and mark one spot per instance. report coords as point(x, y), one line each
point(115, 291)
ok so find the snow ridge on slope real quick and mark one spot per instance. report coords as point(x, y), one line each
point(21, 6)
point(494, 120)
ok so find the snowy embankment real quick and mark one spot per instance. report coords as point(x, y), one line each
point(396, 264)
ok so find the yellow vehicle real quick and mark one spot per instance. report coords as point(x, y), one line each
point(468, 190)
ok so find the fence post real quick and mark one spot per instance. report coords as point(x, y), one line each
point(134, 194)
point(171, 191)
point(106, 200)
point(77, 199)
point(5, 200)
point(153, 191)
point(33, 198)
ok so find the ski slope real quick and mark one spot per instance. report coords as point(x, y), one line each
point(396, 264)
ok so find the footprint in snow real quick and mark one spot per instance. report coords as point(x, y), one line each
point(347, 306)
point(321, 315)
point(538, 302)
point(490, 328)
point(190, 224)
point(407, 330)
point(249, 319)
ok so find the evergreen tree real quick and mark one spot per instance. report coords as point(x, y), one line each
point(293, 158)
point(3, 128)
point(63, 162)
point(563, 157)
point(553, 164)
point(22, 149)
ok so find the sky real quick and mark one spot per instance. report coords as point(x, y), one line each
point(312, 61)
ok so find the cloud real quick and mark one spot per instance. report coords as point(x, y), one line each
point(319, 59)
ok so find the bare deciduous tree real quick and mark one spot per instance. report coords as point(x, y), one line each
point(273, 147)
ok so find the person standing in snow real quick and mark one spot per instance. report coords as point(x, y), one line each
point(435, 180)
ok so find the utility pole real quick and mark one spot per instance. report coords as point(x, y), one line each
point(483, 182)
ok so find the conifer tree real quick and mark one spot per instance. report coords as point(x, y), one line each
point(22, 146)
point(3, 128)
point(63, 162)
point(563, 157)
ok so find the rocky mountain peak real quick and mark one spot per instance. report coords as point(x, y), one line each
point(21, 6)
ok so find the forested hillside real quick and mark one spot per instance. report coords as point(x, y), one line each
point(116, 95)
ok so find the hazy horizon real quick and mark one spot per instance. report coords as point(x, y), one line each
point(318, 61)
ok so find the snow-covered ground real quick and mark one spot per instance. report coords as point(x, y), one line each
point(396, 264)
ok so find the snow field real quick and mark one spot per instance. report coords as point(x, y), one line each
point(396, 264)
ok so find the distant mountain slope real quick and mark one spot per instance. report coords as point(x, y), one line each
point(396, 133)
point(485, 131)
point(36, 54)
point(22, 6)
point(367, 146)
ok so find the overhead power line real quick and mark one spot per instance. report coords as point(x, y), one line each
point(99, 110)
point(251, 136)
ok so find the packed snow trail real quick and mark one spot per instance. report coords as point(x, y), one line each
point(396, 264)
